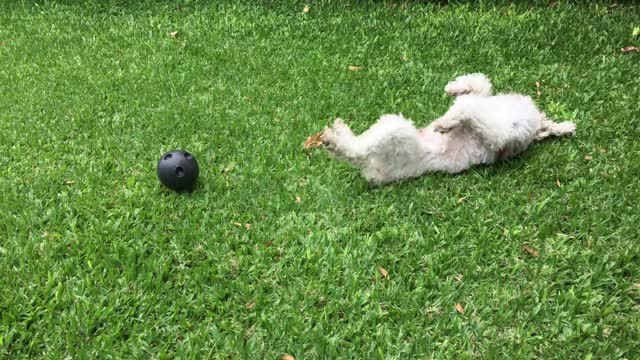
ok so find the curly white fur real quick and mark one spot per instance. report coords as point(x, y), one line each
point(477, 129)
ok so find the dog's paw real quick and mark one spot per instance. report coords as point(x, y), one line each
point(328, 138)
point(457, 88)
point(568, 128)
point(458, 92)
point(476, 83)
point(340, 128)
point(330, 142)
point(441, 127)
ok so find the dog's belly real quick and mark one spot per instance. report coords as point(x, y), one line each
point(465, 146)
point(464, 150)
point(456, 150)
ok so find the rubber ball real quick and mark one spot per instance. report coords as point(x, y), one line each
point(178, 170)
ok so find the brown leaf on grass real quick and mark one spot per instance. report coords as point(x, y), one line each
point(531, 251)
point(355, 68)
point(587, 157)
point(173, 34)
point(558, 182)
point(461, 200)
point(602, 151)
point(313, 141)
point(69, 182)
point(306, 9)
point(250, 305)
point(383, 272)
point(288, 357)
point(246, 226)
point(459, 308)
point(630, 49)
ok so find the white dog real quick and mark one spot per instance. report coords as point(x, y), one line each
point(477, 129)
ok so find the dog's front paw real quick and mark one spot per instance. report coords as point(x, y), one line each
point(338, 122)
point(337, 131)
point(445, 124)
point(441, 127)
point(455, 88)
point(330, 142)
point(340, 128)
point(328, 138)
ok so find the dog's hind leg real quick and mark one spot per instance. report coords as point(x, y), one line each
point(551, 128)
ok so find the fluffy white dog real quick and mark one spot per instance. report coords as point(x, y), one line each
point(477, 129)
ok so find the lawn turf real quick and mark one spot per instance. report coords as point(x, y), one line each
point(279, 250)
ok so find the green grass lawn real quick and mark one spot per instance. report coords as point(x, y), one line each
point(279, 249)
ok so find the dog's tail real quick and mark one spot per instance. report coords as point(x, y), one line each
point(476, 84)
point(549, 127)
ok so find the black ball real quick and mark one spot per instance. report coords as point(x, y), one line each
point(178, 170)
